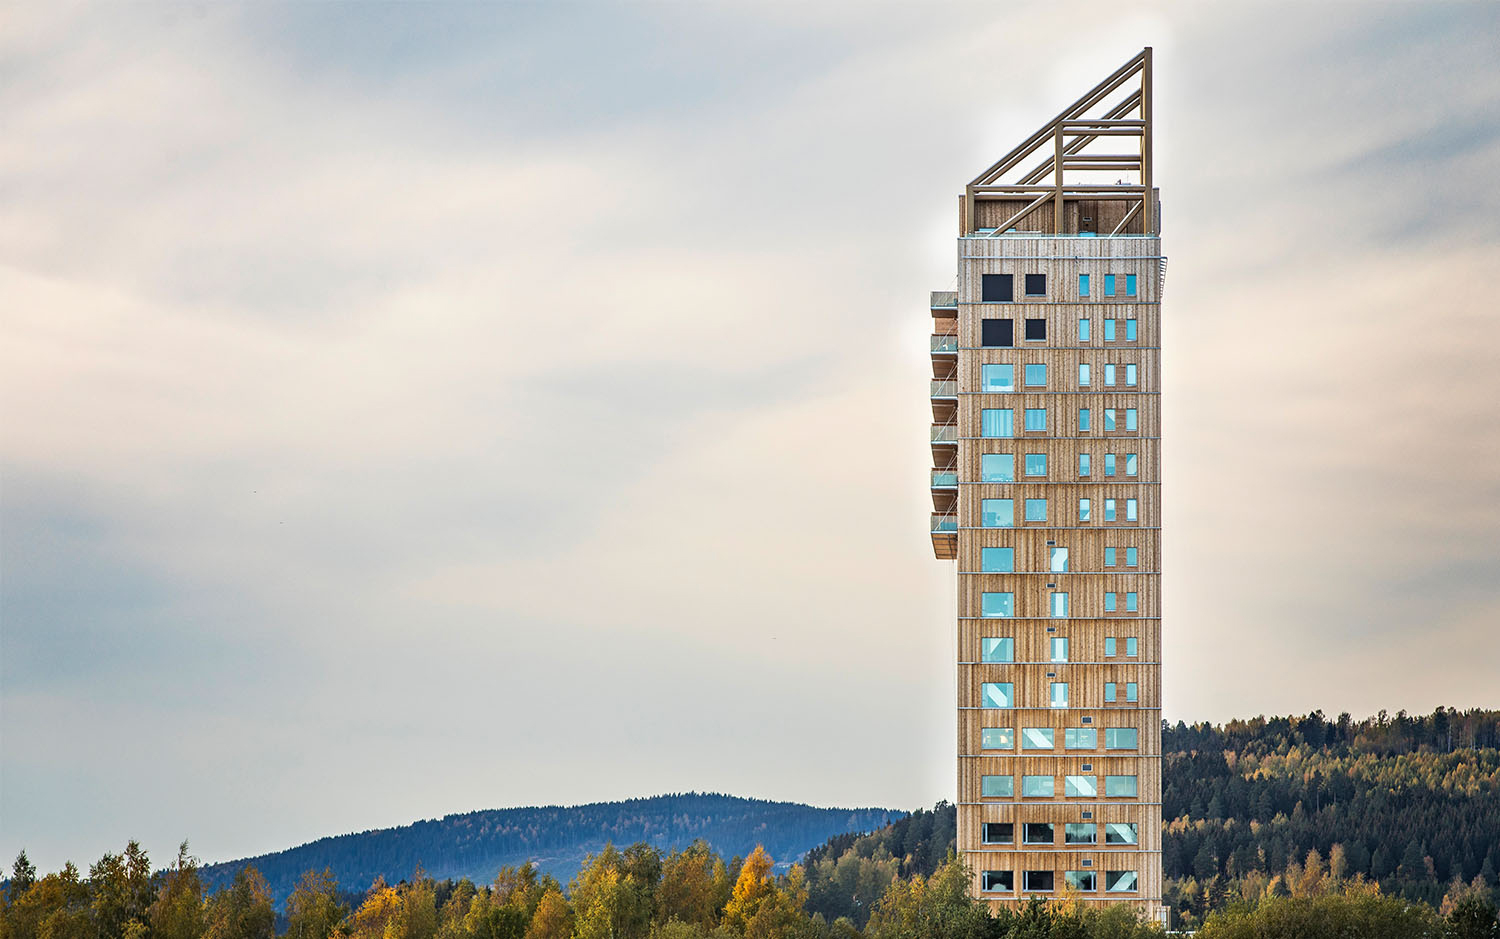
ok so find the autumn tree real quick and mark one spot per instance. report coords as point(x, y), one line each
point(694, 886)
point(553, 918)
point(242, 910)
point(314, 908)
point(178, 910)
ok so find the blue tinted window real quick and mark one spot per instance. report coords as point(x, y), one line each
point(1083, 419)
point(997, 513)
point(1036, 419)
point(1129, 331)
point(1109, 285)
point(997, 604)
point(997, 467)
point(997, 378)
point(997, 560)
point(1036, 464)
point(1036, 510)
point(1083, 331)
point(997, 422)
point(1083, 285)
point(1109, 330)
point(1129, 285)
point(1036, 375)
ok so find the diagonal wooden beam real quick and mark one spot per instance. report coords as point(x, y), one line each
point(1078, 143)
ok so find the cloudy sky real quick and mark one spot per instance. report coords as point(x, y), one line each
point(414, 408)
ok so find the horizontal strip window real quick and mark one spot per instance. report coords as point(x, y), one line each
point(1059, 619)
point(1122, 660)
point(1071, 803)
point(1056, 710)
point(1114, 571)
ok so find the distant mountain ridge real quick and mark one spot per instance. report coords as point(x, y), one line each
point(556, 838)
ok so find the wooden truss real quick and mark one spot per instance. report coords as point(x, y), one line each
point(1064, 141)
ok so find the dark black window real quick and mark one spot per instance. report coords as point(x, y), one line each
point(1037, 880)
point(1038, 833)
point(996, 287)
point(998, 880)
point(997, 333)
point(1036, 329)
point(1036, 285)
point(999, 833)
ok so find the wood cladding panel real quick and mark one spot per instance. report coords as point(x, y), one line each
point(1085, 641)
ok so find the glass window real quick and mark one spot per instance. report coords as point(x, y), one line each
point(1059, 604)
point(998, 881)
point(1058, 563)
point(1120, 786)
point(997, 787)
point(1058, 649)
point(997, 467)
point(996, 288)
point(1080, 833)
point(1109, 285)
point(998, 694)
point(1038, 832)
point(1037, 881)
point(1111, 602)
point(1109, 510)
point(1109, 419)
point(1083, 285)
point(1132, 510)
point(1130, 646)
point(1119, 881)
point(1036, 738)
point(1059, 694)
point(1130, 419)
point(1109, 645)
point(996, 333)
point(1036, 464)
point(1083, 510)
point(1120, 738)
point(1036, 510)
point(997, 560)
point(1132, 465)
point(1131, 690)
point(1083, 419)
point(997, 422)
point(997, 378)
point(1083, 374)
point(1036, 786)
point(1083, 330)
point(1036, 330)
point(1081, 738)
point(1036, 419)
point(1109, 557)
point(1081, 786)
point(1130, 330)
point(1131, 374)
point(1109, 464)
point(1083, 464)
point(1036, 285)
point(1109, 376)
point(1129, 284)
point(997, 649)
point(1109, 691)
point(997, 513)
point(1109, 330)
point(1036, 375)
point(1132, 602)
point(1121, 833)
point(1081, 880)
point(997, 738)
point(997, 604)
point(998, 832)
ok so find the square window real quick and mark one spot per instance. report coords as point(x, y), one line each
point(1037, 787)
point(997, 787)
point(1036, 329)
point(1121, 833)
point(1132, 464)
point(1109, 330)
point(1130, 330)
point(1131, 691)
point(997, 422)
point(997, 378)
point(995, 333)
point(1109, 464)
point(1130, 645)
point(1132, 510)
point(998, 833)
point(1083, 285)
point(1130, 419)
point(1058, 562)
point(995, 605)
point(997, 695)
point(1035, 374)
point(1057, 649)
point(1036, 419)
point(997, 649)
point(1129, 285)
point(1037, 881)
point(1036, 464)
point(1083, 331)
point(1132, 602)
point(1036, 510)
point(1080, 833)
point(1131, 374)
point(1120, 882)
point(1130, 556)
point(1059, 604)
point(1111, 602)
point(1083, 787)
point(997, 560)
point(997, 738)
point(1081, 738)
point(1109, 645)
point(1036, 738)
point(1109, 557)
point(1036, 285)
point(997, 881)
point(997, 513)
point(1120, 738)
point(997, 468)
point(1059, 694)
point(1083, 374)
point(1083, 419)
point(996, 288)
point(1109, 285)
point(1122, 787)
point(1109, 692)
point(1081, 880)
point(1039, 832)
point(1083, 510)
point(1084, 464)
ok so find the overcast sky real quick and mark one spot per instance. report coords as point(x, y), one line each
point(416, 408)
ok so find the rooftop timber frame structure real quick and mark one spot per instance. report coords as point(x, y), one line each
point(1046, 491)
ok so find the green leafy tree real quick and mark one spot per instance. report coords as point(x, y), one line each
point(694, 886)
point(121, 892)
point(242, 910)
point(936, 907)
point(553, 919)
point(178, 912)
point(313, 908)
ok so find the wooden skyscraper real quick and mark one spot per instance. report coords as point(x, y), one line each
point(1046, 489)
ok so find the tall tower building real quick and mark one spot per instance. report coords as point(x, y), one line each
point(1046, 446)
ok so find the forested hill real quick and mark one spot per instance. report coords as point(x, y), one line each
point(556, 838)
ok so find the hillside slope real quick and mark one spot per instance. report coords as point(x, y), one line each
point(556, 838)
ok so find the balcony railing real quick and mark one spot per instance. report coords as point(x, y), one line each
point(945, 433)
point(944, 343)
point(944, 478)
point(945, 388)
point(947, 522)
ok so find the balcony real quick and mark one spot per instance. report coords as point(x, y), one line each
point(944, 535)
point(945, 478)
point(944, 522)
point(943, 345)
point(945, 490)
point(945, 388)
point(945, 434)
